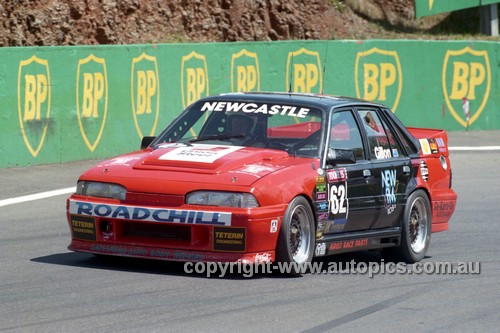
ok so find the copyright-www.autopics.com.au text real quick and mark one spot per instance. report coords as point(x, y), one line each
point(372, 269)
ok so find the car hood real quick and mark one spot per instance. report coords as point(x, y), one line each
point(153, 169)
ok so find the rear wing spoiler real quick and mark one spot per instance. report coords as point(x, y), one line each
point(432, 141)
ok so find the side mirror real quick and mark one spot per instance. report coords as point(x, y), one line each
point(340, 156)
point(146, 141)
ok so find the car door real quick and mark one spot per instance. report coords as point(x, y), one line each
point(390, 168)
point(351, 200)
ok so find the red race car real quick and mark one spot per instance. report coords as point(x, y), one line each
point(269, 177)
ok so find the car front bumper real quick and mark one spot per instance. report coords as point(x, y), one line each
point(184, 233)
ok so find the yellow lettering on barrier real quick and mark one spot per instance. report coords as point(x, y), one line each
point(141, 92)
point(30, 98)
point(299, 78)
point(387, 78)
point(146, 90)
point(477, 75)
point(191, 85)
point(247, 78)
point(311, 76)
point(93, 90)
point(195, 84)
point(370, 81)
point(459, 84)
point(305, 77)
point(303, 69)
point(373, 89)
point(35, 96)
point(151, 91)
point(466, 77)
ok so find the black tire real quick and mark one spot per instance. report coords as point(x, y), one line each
point(416, 229)
point(296, 239)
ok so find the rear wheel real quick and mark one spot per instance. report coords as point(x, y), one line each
point(296, 237)
point(416, 229)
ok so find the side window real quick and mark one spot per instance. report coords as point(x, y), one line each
point(345, 134)
point(395, 146)
point(378, 141)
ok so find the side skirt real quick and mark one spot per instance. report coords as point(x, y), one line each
point(358, 241)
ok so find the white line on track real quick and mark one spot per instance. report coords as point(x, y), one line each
point(37, 196)
point(472, 148)
point(48, 194)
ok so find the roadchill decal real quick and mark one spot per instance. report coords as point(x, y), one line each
point(124, 212)
point(283, 110)
point(199, 153)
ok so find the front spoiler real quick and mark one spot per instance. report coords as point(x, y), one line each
point(158, 253)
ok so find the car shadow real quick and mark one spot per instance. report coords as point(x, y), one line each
point(174, 268)
point(116, 263)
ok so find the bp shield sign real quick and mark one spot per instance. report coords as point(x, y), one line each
point(245, 75)
point(91, 99)
point(194, 78)
point(33, 102)
point(466, 81)
point(145, 94)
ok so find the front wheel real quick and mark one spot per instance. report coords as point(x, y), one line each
point(296, 237)
point(416, 229)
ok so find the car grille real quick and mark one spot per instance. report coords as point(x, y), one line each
point(156, 231)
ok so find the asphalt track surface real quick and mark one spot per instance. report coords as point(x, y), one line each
point(46, 288)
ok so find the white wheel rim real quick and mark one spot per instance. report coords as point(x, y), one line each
point(418, 226)
point(299, 237)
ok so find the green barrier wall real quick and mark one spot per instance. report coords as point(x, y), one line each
point(431, 7)
point(62, 104)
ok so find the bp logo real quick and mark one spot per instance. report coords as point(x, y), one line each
point(145, 94)
point(194, 78)
point(303, 72)
point(245, 75)
point(33, 102)
point(91, 99)
point(466, 83)
point(378, 77)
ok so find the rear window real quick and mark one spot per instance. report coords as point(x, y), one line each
point(407, 144)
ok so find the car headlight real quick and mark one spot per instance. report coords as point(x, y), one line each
point(223, 199)
point(104, 190)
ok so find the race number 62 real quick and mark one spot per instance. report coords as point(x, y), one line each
point(338, 201)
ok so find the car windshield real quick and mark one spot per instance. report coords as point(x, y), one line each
point(293, 128)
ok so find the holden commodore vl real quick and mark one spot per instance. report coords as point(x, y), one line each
point(257, 177)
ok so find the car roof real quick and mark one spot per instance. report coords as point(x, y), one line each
point(319, 100)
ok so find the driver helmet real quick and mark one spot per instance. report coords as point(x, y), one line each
point(238, 123)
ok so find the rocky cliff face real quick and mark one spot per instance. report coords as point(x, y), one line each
point(63, 22)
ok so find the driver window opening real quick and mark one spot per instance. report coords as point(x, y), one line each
point(345, 134)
